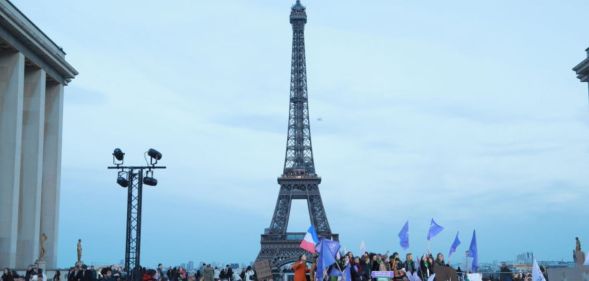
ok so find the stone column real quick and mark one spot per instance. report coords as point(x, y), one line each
point(29, 222)
point(51, 170)
point(12, 68)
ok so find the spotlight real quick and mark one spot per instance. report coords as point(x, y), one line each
point(150, 181)
point(118, 154)
point(122, 181)
point(154, 154)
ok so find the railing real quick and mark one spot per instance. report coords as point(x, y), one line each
point(293, 236)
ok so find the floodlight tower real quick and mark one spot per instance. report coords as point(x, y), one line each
point(133, 178)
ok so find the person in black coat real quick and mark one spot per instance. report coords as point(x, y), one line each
point(365, 267)
point(409, 264)
point(355, 273)
point(7, 275)
point(85, 274)
point(107, 276)
point(57, 276)
point(426, 267)
point(80, 273)
point(440, 260)
point(29, 273)
point(91, 274)
point(71, 274)
point(229, 273)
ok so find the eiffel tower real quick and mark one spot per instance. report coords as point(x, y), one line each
point(299, 180)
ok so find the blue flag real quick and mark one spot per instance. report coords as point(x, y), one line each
point(434, 229)
point(348, 273)
point(320, 268)
point(473, 252)
point(454, 245)
point(404, 236)
point(335, 272)
point(328, 251)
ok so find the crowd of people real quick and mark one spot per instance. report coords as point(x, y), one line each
point(82, 272)
point(354, 268)
point(360, 268)
point(204, 273)
point(33, 273)
point(348, 267)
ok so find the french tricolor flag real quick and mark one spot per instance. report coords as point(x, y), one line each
point(310, 240)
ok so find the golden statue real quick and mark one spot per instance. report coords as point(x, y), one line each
point(79, 248)
point(579, 256)
point(42, 251)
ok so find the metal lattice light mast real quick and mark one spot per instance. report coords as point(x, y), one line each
point(299, 180)
point(133, 178)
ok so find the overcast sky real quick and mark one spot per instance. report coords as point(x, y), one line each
point(466, 111)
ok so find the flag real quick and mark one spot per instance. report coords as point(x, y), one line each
point(335, 272)
point(404, 236)
point(410, 276)
point(537, 273)
point(431, 277)
point(347, 273)
point(328, 251)
point(362, 248)
point(434, 229)
point(416, 276)
point(310, 240)
point(454, 245)
point(473, 252)
point(320, 270)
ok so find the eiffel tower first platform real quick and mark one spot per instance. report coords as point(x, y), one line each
point(299, 180)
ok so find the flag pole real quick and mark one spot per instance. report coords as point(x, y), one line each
point(466, 262)
point(340, 270)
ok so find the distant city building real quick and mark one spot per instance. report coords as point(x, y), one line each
point(525, 258)
point(33, 73)
point(190, 266)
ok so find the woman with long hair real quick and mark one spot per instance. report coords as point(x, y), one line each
point(425, 267)
point(440, 260)
point(7, 275)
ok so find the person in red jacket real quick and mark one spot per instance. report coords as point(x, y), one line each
point(300, 269)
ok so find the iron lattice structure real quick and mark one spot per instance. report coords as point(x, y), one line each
point(135, 175)
point(134, 202)
point(299, 180)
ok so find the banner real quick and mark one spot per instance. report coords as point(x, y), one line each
point(475, 276)
point(263, 270)
point(445, 273)
point(382, 274)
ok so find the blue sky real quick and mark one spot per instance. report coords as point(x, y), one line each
point(466, 111)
